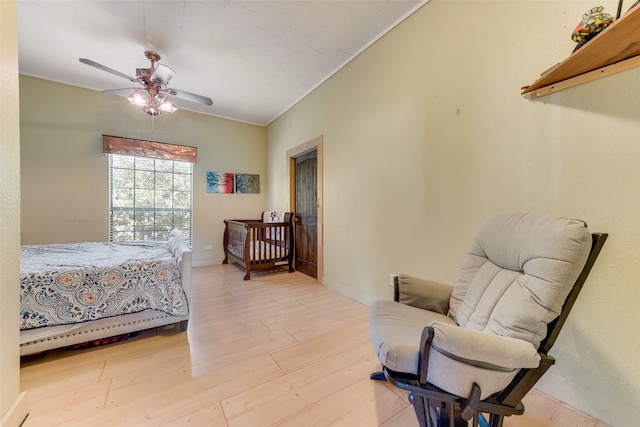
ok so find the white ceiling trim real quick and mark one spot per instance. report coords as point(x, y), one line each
point(371, 42)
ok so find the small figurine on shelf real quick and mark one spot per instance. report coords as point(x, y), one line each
point(593, 21)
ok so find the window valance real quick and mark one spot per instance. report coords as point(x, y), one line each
point(139, 147)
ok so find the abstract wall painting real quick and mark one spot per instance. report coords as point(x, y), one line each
point(247, 183)
point(220, 182)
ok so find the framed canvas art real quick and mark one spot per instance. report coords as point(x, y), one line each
point(247, 183)
point(219, 182)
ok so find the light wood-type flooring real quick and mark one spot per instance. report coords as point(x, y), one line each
point(279, 350)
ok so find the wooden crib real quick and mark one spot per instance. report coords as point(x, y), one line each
point(261, 244)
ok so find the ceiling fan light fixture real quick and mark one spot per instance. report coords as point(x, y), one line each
point(166, 105)
point(152, 105)
point(151, 110)
point(139, 97)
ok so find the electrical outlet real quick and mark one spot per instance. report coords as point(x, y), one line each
point(392, 277)
point(208, 247)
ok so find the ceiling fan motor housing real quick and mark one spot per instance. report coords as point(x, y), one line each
point(144, 74)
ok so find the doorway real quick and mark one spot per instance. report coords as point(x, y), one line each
point(305, 171)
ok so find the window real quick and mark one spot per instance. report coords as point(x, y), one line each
point(149, 197)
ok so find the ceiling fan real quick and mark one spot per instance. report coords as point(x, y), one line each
point(153, 98)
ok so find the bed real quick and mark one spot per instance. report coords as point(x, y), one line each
point(261, 244)
point(76, 293)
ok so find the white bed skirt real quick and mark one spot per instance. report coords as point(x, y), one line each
point(42, 339)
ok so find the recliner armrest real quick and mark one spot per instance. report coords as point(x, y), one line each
point(483, 350)
point(423, 293)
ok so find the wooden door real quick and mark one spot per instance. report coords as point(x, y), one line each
point(306, 209)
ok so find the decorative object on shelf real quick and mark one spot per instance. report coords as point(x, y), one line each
point(593, 21)
point(247, 183)
point(220, 182)
point(615, 50)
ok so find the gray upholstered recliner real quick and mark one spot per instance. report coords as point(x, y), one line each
point(480, 345)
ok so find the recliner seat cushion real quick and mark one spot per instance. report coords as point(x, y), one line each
point(395, 333)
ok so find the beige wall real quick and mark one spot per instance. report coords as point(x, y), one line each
point(12, 404)
point(426, 134)
point(65, 176)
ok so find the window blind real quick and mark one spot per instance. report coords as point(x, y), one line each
point(149, 197)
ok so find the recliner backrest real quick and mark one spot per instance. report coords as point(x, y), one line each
point(518, 273)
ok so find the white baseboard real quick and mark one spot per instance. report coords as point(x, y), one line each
point(16, 415)
point(590, 402)
point(343, 290)
point(204, 263)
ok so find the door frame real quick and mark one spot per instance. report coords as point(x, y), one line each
point(313, 144)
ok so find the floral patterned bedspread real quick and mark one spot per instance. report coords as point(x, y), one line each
point(78, 282)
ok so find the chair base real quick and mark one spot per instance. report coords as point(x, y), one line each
point(437, 408)
point(378, 376)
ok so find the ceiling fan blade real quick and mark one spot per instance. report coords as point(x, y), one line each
point(162, 74)
point(187, 96)
point(122, 92)
point(107, 69)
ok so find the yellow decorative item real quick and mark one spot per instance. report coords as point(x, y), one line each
point(593, 21)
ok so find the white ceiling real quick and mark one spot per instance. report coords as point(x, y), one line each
point(255, 59)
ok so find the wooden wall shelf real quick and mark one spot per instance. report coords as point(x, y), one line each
point(615, 49)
